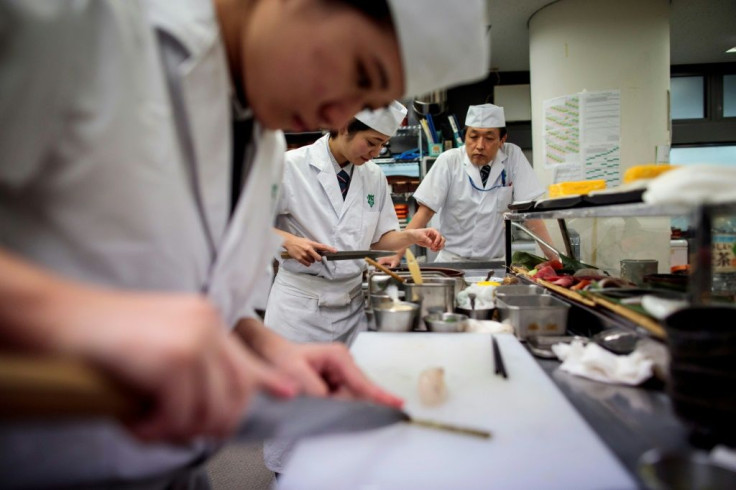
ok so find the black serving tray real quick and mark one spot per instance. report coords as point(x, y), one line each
point(559, 203)
point(521, 205)
point(602, 198)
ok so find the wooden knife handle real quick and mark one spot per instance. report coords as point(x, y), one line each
point(384, 269)
point(42, 388)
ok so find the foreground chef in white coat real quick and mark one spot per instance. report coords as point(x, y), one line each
point(119, 246)
point(335, 199)
point(471, 187)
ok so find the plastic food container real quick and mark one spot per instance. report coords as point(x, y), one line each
point(533, 314)
point(562, 189)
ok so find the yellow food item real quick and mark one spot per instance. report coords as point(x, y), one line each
point(414, 270)
point(488, 283)
point(575, 188)
point(646, 171)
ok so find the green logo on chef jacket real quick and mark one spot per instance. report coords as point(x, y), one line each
point(371, 200)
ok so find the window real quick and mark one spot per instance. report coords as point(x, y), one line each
point(687, 97)
point(729, 96)
point(723, 155)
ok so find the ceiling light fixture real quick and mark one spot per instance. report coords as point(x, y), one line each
point(732, 50)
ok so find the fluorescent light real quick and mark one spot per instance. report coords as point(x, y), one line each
point(732, 50)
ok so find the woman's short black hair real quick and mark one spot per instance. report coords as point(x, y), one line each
point(355, 126)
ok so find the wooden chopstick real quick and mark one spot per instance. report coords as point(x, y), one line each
point(498, 360)
point(468, 431)
point(384, 269)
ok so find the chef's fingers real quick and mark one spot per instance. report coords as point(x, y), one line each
point(323, 247)
point(343, 374)
point(313, 255)
point(173, 409)
point(392, 261)
point(311, 382)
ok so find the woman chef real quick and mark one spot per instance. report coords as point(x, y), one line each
point(334, 198)
point(120, 247)
point(333, 194)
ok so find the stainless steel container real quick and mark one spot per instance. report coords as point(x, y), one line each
point(519, 290)
point(436, 294)
point(534, 314)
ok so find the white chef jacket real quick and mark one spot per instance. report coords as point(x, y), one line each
point(101, 181)
point(470, 214)
point(323, 302)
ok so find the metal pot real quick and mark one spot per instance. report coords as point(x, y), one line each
point(436, 294)
point(457, 274)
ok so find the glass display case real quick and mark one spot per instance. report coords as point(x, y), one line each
point(608, 236)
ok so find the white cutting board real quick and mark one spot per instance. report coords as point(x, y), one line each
point(539, 440)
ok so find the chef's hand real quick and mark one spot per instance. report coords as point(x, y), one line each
point(428, 237)
point(329, 370)
point(393, 260)
point(318, 369)
point(304, 250)
point(175, 350)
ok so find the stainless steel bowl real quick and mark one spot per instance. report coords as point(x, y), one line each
point(446, 322)
point(396, 317)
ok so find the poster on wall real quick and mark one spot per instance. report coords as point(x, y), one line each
point(582, 135)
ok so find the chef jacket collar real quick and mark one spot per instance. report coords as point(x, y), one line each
point(336, 166)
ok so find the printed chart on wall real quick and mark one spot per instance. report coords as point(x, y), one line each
point(582, 134)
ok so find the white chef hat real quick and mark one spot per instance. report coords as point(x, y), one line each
point(385, 120)
point(443, 43)
point(485, 116)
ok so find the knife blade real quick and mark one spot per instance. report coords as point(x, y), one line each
point(349, 254)
point(59, 389)
point(270, 418)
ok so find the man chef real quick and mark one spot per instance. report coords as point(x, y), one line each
point(471, 186)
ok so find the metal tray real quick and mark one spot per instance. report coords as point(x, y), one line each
point(559, 203)
point(602, 198)
point(521, 205)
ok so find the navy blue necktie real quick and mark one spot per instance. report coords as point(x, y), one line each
point(484, 171)
point(343, 178)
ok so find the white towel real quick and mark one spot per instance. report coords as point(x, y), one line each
point(693, 185)
point(595, 362)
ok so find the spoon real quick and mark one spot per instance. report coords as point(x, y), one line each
point(471, 297)
point(617, 340)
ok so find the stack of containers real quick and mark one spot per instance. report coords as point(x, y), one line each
point(402, 212)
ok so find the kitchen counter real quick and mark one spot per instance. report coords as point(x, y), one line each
point(629, 420)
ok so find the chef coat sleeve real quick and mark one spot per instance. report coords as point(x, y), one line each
point(432, 191)
point(37, 43)
point(387, 221)
point(525, 183)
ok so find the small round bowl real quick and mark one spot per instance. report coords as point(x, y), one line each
point(446, 322)
point(395, 317)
